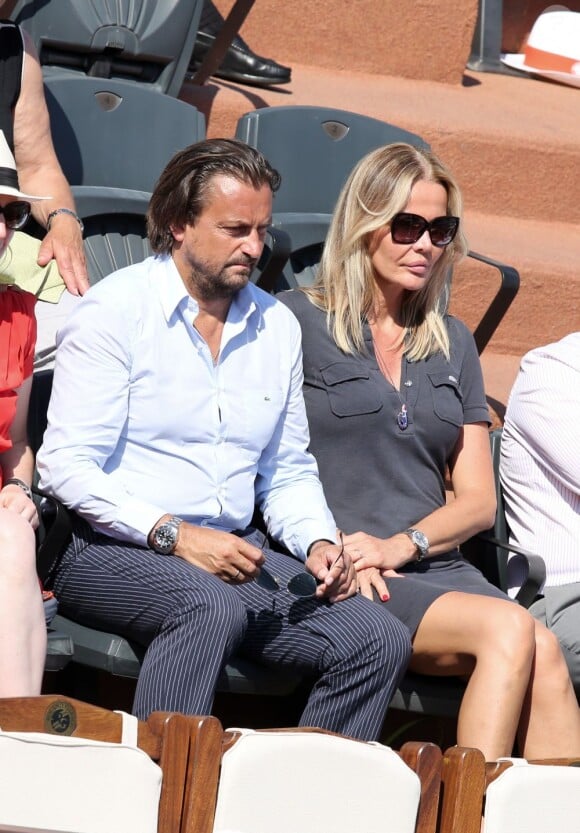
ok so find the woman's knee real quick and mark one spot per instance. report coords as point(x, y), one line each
point(508, 632)
point(481, 627)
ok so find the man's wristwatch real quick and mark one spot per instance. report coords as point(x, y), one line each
point(164, 538)
point(420, 540)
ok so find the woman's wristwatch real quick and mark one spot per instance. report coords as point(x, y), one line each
point(421, 542)
point(16, 481)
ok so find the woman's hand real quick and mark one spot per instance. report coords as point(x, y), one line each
point(12, 497)
point(382, 553)
point(370, 578)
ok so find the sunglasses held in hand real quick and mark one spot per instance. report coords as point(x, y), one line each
point(303, 584)
point(408, 228)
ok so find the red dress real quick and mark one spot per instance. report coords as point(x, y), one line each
point(17, 339)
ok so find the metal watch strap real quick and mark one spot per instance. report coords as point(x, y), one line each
point(420, 541)
point(164, 537)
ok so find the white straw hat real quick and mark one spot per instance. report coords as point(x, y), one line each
point(8, 176)
point(553, 47)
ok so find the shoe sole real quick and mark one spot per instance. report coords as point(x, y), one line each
point(243, 77)
point(254, 80)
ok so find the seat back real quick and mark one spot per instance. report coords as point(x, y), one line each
point(115, 773)
point(314, 149)
point(463, 786)
point(511, 794)
point(116, 134)
point(144, 41)
point(533, 797)
point(115, 233)
point(260, 781)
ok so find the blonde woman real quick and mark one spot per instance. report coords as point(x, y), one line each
point(395, 402)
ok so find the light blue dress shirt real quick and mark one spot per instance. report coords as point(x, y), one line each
point(142, 423)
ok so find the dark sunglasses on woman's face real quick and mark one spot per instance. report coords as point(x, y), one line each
point(408, 228)
point(16, 214)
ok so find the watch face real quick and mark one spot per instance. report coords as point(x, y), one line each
point(165, 538)
point(420, 539)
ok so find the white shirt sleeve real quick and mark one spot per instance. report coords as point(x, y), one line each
point(288, 490)
point(87, 414)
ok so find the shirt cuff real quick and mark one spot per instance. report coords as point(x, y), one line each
point(303, 540)
point(318, 541)
point(136, 519)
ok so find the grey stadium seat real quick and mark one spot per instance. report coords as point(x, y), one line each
point(115, 134)
point(315, 149)
point(145, 41)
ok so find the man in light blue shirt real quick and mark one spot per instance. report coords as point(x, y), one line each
point(176, 407)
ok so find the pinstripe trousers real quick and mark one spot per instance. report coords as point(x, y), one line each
point(191, 622)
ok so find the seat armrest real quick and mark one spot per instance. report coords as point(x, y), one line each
point(55, 535)
point(508, 289)
point(534, 567)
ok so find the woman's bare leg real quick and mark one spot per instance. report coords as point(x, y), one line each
point(22, 626)
point(492, 641)
point(550, 723)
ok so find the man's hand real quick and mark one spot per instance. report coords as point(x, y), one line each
point(64, 243)
point(332, 567)
point(13, 498)
point(227, 556)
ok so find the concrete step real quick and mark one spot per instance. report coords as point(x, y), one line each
point(514, 143)
point(547, 256)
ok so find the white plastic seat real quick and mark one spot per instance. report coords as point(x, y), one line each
point(314, 783)
point(533, 798)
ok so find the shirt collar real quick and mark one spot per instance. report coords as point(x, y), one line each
point(172, 292)
point(175, 297)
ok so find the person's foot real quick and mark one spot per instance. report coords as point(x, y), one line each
point(240, 64)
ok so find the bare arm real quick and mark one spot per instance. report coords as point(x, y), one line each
point(471, 510)
point(40, 174)
point(18, 461)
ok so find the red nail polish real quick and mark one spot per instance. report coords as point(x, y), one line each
point(385, 598)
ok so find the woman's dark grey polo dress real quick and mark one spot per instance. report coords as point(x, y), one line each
point(377, 478)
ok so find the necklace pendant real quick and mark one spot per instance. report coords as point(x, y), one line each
point(402, 418)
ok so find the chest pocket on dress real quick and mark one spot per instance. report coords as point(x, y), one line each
point(350, 389)
point(447, 399)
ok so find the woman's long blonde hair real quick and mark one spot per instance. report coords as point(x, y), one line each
point(377, 189)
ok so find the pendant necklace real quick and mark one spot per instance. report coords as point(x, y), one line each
point(402, 416)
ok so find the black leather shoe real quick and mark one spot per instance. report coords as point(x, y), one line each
point(240, 63)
